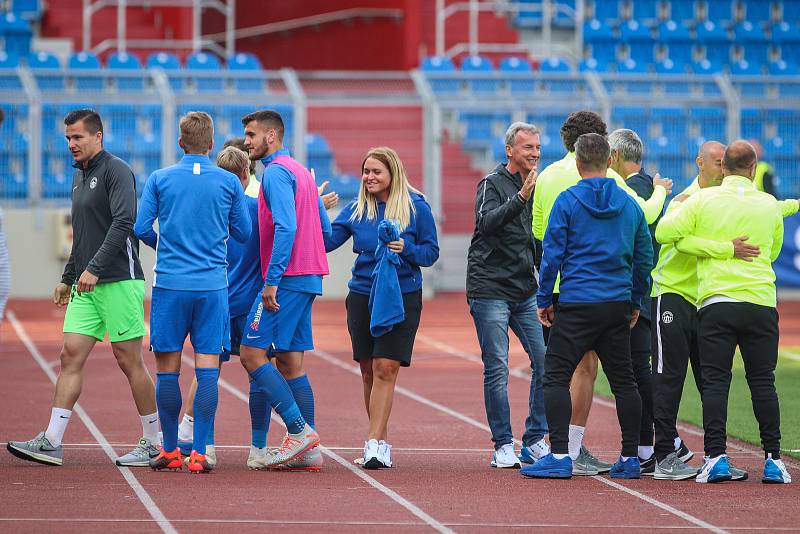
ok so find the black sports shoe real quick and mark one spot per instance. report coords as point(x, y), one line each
point(648, 467)
point(683, 452)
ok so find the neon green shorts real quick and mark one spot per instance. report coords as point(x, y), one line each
point(116, 308)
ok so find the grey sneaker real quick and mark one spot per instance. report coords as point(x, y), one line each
point(294, 445)
point(257, 459)
point(673, 468)
point(601, 466)
point(140, 455)
point(737, 475)
point(583, 465)
point(39, 449)
point(309, 461)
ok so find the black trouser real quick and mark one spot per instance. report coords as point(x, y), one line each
point(640, 358)
point(674, 346)
point(576, 329)
point(755, 329)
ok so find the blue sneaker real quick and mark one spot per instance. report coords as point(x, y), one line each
point(630, 468)
point(775, 472)
point(532, 454)
point(549, 467)
point(715, 470)
point(185, 447)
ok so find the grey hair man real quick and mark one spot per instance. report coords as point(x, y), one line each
point(501, 287)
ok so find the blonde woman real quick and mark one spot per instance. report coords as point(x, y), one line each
point(384, 194)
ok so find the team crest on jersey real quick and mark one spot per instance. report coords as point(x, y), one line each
point(667, 317)
point(93, 182)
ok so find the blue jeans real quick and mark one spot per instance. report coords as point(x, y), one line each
point(492, 318)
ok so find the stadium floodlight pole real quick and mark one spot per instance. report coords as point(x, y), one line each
point(230, 27)
point(35, 129)
point(300, 105)
point(732, 105)
point(440, 16)
point(197, 21)
point(473, 27)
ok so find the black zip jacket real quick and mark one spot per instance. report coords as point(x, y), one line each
point(103, 213)
point(500, 260)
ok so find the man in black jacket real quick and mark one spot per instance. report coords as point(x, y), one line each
point(103, 289)
point(501, 290)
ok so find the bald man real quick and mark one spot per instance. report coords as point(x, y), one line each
point(736, 303)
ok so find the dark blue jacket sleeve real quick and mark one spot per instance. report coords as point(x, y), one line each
point(278, 187)
point(422, 247)
point(642, 261)
point(240, 225)
point(148, 211)
point(324, 221)
point(554, 245)
point(341, 230)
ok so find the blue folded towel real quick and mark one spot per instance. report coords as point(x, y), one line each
point(385, 298)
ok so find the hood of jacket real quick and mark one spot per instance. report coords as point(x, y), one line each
point(601, 197)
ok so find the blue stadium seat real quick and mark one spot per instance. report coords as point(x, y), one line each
point(168, 62)
point(16, 34)
point(554, 64)
point(562, 17)
point(749, 87)
point(704, 66)
point(715, 39)
point(791, 11)
point(630, 66)
point(758, 11)
point(600, 38)
point(787, 37)
point(672, 86)
point(673, 122)
point(85, 61)
point(481, 127)
point(633, 117)
point(205, 62)
point(783, 68)
point(755, 44)
point(27, 9)
point(528, 19)
point(720, 11)
point(45, 60)
point(639, 41)
point(441, 64)
point(745, 68)
point(320, 157)
point(521, 66)
point(606, 10)
point(711, 121)
point(780, 146)
point(9, 81)
point(752, 121)
point(679, 43)
point(57, 175)
point(245, 62)
point(645, 11)
point(479, 64)
point(121, 61)
point(592, 65)
point(346, 185)
point(682, 10)
point(668, 66)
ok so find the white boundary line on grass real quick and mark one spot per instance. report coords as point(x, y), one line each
point(144, 497)
point(408, 393)
point(393, 495)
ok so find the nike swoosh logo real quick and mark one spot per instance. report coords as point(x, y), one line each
point(123, 333)
point(153, 421)
point(252, 337)
point(74, 188)
point(64, 416)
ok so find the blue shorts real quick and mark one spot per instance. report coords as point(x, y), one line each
point(238, 324)
point(202, 315)
point(288, 329)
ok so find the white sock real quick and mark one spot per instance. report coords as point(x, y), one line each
point(186, 428)
point(678, 441)
point(646, 452)
point(625, 458)
point(560, 456)
point(59, 419)
point(150, 427)
point(575, 440)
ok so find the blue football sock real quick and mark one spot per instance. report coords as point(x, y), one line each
point(259, 416)
point(210, 437)
point(168, 400)
point(279, 396)
point(304, 397)
point(205, 406)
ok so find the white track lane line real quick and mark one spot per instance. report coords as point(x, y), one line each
point(403, 391)
point(144, 497)
point(393, 495)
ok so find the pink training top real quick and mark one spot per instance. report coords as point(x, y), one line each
point(308, 251)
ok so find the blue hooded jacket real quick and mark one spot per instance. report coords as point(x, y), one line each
point(598, 239)
point(385, 298)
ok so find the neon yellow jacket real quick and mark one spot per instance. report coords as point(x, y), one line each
point(721, 214)
point(563, 174)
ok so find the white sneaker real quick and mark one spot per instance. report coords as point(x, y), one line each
point(294, 445)
point(529, 455)
point(775, 472)
point(371, 451)
point(211, 457)
point(308, 461)
point(385, 453)
point(257, 459)
point(505, 458)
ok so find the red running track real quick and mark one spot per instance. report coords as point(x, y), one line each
point(442, 479)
